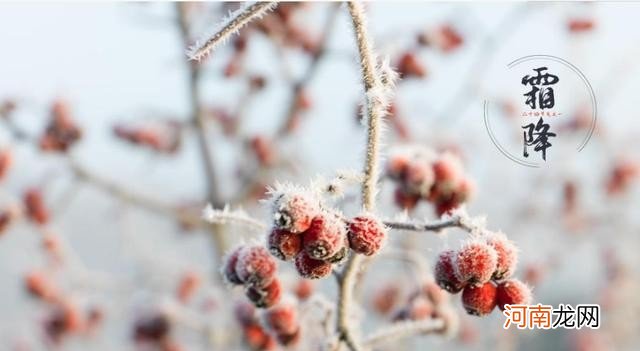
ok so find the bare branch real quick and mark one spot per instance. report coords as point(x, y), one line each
point(403, 329)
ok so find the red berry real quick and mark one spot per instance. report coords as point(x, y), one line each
point(419, 308)
point(303, 289)
point(479, 300)
point(386, 298)
point(245, 313)
point(187, 286)
point(311, 268)
point(406, 200)
point(257, 338)
point(409, 66)
point(507, 255)
point(6, 160)
point(255, 266)
point(282, 319)
point(447, 167)
point(35, 207)
point(295, 211)
point(397, 167)
point(419, 178)
point(366, 234)
point(435, 293)
point(289, 339)
point(284, 244)
point(229, 268)
point(476, 262)
point(513, 292)
point(445, 272)
point(341, 256)
point(265, 297)
point(325, 237)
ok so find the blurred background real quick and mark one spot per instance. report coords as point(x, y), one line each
point(112, 142)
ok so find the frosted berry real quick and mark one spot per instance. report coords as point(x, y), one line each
point(419, 308)
point(341, 256)
point(475, 263)
point(245, 313)
point(255, 266)
point(447, 168)
point(397, 167)
point(507, 255)
point(35, 207)
point(303, 289)
point(366, 234)
point(229, 268)
point(419, 178)
point(282, 319)
point(284, 244)
point(479, 300)
point(445, 272)
point(386, 298)
point(513, 292)
point(325, 237)
point(289, 339)
point(406, 200)
point(311, 268)
point(295, 211)
point(434, 293)
point(265, 297)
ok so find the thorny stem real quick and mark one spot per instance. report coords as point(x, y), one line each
point(374, 106)
point(230, 26)
point(403, 329)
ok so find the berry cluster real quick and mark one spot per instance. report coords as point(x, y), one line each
point(280, 325)
point(422, 174)
point(253, 267)
point(482, 268)
point(282, 321)
point(316, 238)
point(426, 302)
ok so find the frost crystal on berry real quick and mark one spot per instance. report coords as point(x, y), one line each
point(294, 209)
point(310, 268)
point(325, 237)
point(284, 244)
point(513, 292)
point(507, 255)
point(445, 272)
point(265, 297)
point(229, 268)
point(479, 300)
point(366, 234)
point(255, 266)
point(476, 261)
point(282, 319)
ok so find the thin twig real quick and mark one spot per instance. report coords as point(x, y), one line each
point(229, 26)
point(375, 106)
point(455, 221)
point(403, 329)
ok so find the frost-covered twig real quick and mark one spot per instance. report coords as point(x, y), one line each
point(436, 225)
point(375, 106)
point(229, 26)
point(403, 329)
point(226, 216)
point(458, 219)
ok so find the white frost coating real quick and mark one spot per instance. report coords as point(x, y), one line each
point(226, 216)
point(229, 26)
